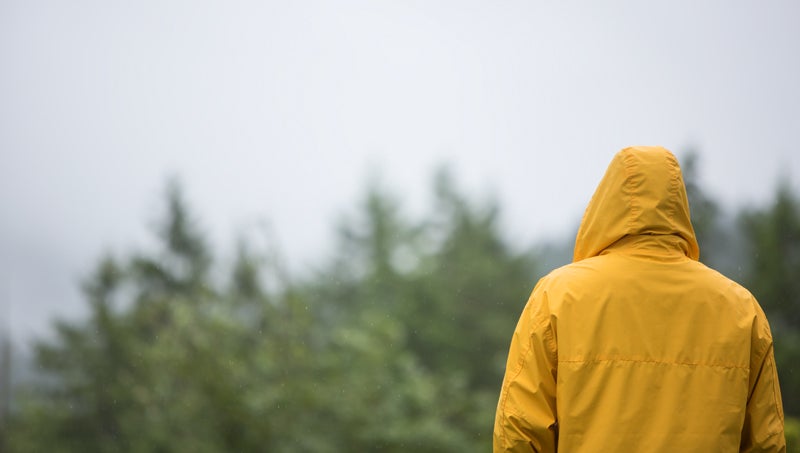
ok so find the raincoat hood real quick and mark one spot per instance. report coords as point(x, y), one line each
point(642, 193)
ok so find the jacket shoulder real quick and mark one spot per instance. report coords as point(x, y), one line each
point(574, 272)
point(724, 283)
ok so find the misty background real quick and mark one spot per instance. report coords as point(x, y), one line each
point(285, 128)
point(278, 111)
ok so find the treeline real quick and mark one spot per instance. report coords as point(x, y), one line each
point(395, 342)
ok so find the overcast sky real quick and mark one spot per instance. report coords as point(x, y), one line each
point(279, 111)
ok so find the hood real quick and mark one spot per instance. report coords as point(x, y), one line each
point(642, 193)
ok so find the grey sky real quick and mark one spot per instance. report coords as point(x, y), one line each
point(277, 110)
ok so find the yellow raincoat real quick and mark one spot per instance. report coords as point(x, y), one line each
point(636, 346)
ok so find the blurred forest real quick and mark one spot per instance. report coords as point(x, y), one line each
point(395, 342)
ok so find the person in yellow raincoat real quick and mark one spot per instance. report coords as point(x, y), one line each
point(636, 346)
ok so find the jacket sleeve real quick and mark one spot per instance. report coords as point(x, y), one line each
point(763, 429)
point(526, 418)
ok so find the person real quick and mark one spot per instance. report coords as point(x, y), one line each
point(636, 346)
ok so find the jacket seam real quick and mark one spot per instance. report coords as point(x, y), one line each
point(665, 362)
point(674, 190)
point(507, 386)
point(775, 385)
point(633, 203)
point(520, 366)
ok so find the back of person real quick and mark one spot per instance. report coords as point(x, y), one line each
point(636, 346)
point(653, 352)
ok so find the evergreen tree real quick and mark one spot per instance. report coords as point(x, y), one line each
point(385, 350)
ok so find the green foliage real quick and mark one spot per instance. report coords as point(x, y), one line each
point(792, 435)
point(452, 289)
point(705, 212)
point(397, 344)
